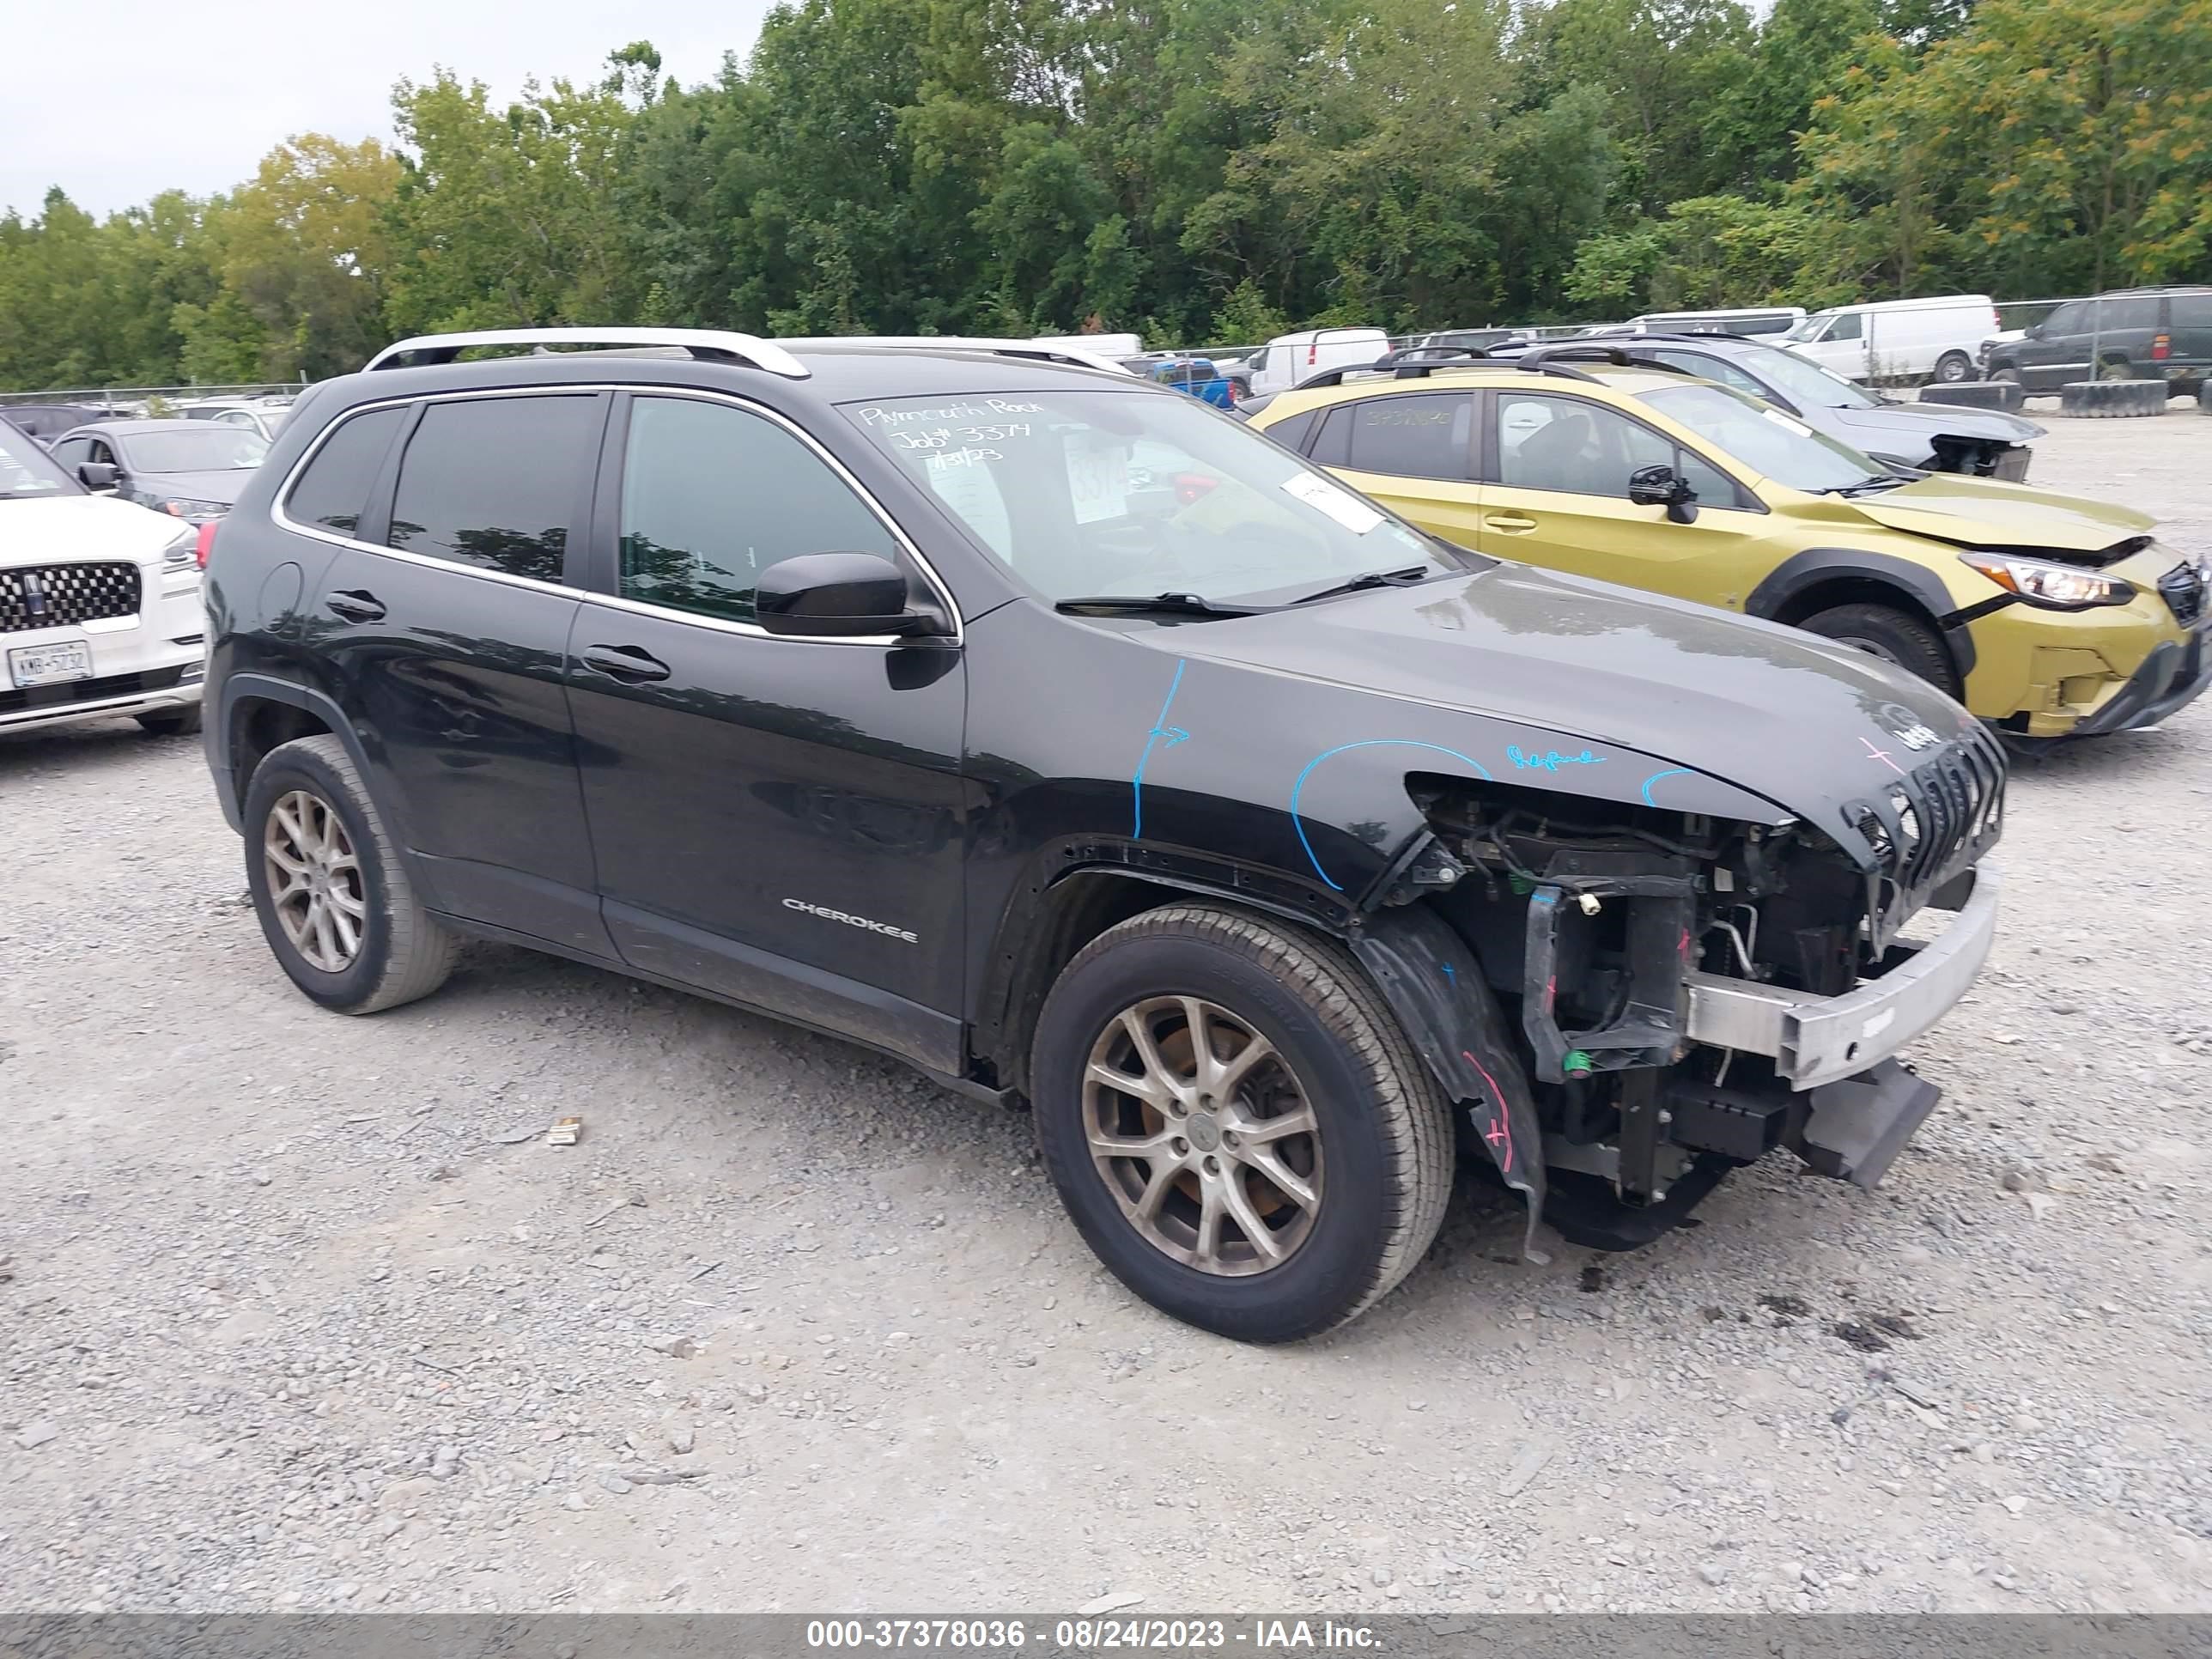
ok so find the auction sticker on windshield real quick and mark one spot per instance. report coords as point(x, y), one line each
point(1347, 508)
point(1097, 478)
point(50, 665)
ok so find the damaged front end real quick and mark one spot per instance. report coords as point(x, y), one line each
point(1633, 1001)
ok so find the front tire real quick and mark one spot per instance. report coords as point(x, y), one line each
point(1952, 367)
point(333, 896)
point(1237, 1123)
point(1895, 637)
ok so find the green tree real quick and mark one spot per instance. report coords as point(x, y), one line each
point(305, 249)
point(2051, 145)
point(510, 217)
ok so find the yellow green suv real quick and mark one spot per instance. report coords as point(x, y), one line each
point(2049, 616)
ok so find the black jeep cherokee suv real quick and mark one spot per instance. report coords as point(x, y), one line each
point(1061, 736)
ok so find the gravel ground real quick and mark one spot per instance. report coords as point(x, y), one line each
point(304, 1313)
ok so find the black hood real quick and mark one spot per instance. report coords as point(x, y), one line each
point(1919, 425)
point(1626, 678)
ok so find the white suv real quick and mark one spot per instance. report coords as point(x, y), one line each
point(100, 602)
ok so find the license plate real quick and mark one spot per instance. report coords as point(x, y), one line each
point(50, 665)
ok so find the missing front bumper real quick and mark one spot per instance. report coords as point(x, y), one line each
point(1815, 1040)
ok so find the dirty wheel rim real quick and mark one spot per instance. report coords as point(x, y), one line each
point(1204, 1135)
point(314, 881)
point(1870, 647)
point(1952, 370)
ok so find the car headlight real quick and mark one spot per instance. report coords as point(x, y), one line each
point(2055, 587)
point(183, 507)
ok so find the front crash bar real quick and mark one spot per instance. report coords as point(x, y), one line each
point(1815, 1040)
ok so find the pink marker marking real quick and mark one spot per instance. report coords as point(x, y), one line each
point(1501, 1127)
point(1883, 755)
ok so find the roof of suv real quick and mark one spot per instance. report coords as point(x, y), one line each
point(1507, 372)
point(829, 371)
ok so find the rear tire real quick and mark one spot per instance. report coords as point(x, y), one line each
point(1363, 1190)
point(2116, 369)
point(1952, 367)
point(1895, 637)
point(170, 722)
point(333, 896)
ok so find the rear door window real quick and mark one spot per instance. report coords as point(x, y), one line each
point(494, 483)
point(1424, 435)
point(333, 491)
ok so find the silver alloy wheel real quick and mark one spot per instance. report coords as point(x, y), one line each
point(1204, 1135)
point(314, 880)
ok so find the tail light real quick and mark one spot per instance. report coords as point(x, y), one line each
point(2160, 346)
point(1313, 352)
point(1193, 486)
point(204, 545)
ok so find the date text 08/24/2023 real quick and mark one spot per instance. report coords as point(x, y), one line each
point(1090, 1635)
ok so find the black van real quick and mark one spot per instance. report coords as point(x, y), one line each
point(2133, 334)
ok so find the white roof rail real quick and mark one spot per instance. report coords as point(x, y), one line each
point(710, 343)
point(1041, 350)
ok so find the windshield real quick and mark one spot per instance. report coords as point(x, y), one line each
point(209, 449)
point(1807, 383)
point(1765, 440)
point(1807, 328)
point(1086, 493)
point(26, 469)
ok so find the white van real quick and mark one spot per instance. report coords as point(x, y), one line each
point(1106, 345)
point(1899, 342)
point(1289, 358)
point(1748, 320)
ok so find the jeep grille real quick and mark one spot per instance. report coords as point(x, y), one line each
point(1930, 824)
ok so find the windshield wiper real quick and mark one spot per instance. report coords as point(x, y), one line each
point(1157, 604)
point(1412, 573)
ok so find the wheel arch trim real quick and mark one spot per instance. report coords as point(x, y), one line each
point(249, 687)
point(1424, 971)
point(1803, 572)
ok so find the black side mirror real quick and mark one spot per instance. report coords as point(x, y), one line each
point(1661, 486)
point(98, 475)
point(835, 595)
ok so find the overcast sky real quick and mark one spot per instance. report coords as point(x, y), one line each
point(116, 101)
